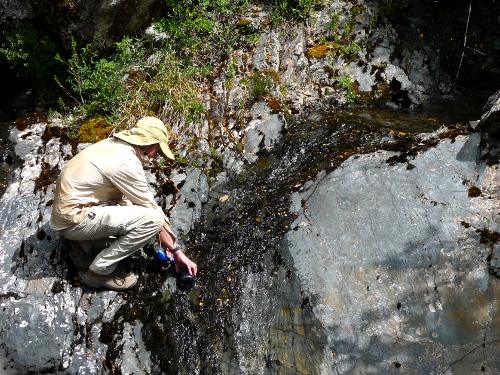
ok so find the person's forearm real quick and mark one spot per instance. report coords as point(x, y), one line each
point(168, 241)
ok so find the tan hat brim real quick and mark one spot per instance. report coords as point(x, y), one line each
point(144, 139)
point(166, 151)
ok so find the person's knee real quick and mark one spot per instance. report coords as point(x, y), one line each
point(154, 220)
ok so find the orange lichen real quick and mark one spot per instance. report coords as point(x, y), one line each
point(94, 130)
point(273, 74)
point(274, 104)
point(321, 50)
point(244, 22)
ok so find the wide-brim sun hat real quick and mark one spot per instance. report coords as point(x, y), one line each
point(148, 131)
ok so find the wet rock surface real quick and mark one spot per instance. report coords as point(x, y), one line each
point(490, 121)
point(398, 280)
point(262, 132)
point(191, 196)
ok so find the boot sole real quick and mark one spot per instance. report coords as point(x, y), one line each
point(95, 285)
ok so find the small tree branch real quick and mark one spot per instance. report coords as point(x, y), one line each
point(465, 42)
point(67, 91)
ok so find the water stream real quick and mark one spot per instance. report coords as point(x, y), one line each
point(6, 157)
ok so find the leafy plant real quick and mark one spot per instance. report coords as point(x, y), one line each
point(230, 70)
point(334, 23)
point(30, 54)
point(350, 50)
point(126, 86)
point(186, 23)
point(201, 28)
point(260, 85)
point(169, 90)
point(347, 83)
point(296, 9)
point(99, 83)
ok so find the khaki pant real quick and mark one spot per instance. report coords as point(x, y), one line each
point(131, 226)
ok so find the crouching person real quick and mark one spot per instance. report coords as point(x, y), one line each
point(102, 194)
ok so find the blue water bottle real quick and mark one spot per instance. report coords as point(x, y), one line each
point(162, 256)
point(185, 281)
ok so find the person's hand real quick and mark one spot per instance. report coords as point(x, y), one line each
point(181, 260)
point(169, 253)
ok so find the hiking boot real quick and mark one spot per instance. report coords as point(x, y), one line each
point(117, 281)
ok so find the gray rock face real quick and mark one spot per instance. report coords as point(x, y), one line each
point(135, 358)
point(495, 260)
point(26, 269)
point(262, 132)
point(191, 196)
point(490, 121)
point(276, 327)
point(399, 280)
point(389, 272)
point(38, 302)
point(107, 19)
point(309, 82)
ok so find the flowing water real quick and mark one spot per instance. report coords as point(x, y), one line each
point(6, 157)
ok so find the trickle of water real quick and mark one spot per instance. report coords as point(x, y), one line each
point(6, 156)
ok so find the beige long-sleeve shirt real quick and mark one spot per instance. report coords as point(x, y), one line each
point(105, 173)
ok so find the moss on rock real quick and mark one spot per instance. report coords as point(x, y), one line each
point(94, 129)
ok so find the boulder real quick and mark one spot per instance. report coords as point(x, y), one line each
point(490, 121)
point(108, 20)
point(262, 132)
point(388, 271)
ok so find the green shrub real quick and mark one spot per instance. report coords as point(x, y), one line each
point(350, 50)
point(124, 86)
point(100, 83)
point(334, 23)
point(187, 23)
point(260, 86)
point(201, 26)
point(347, 83)
point(295, 9)
point(30, 55)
